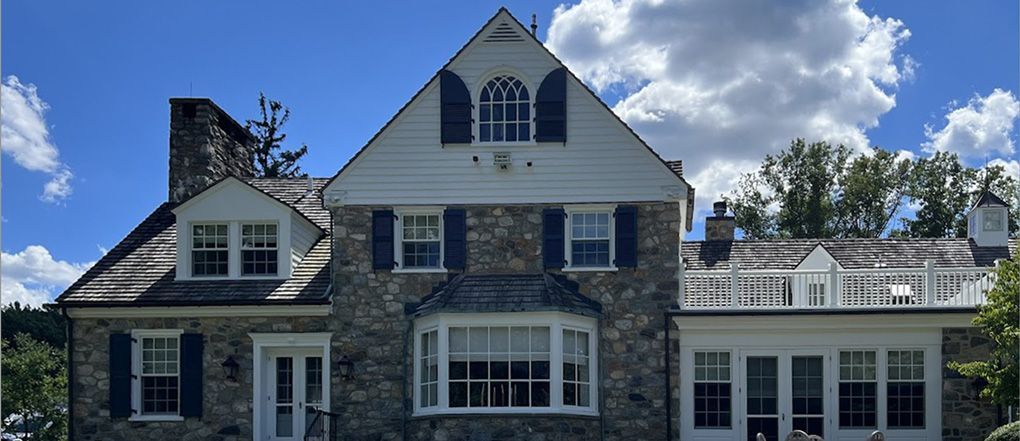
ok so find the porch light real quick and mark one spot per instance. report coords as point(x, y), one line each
point(346, 367)
point(230, 368)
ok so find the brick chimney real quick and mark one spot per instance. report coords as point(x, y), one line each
point(720, 226)
point(206, 145)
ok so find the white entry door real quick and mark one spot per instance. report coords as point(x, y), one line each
point(781, 391)
point(294, 379)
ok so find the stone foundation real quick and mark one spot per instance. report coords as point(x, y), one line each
point(965, 416)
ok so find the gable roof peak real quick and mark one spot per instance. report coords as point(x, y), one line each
point(989, 199)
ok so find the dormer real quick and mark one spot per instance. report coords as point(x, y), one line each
point(233, 230)
point(988, 221)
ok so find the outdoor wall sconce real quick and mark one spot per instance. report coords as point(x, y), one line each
point(346, 367)
point(230, 368)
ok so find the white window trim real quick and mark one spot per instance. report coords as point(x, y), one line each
point(477, 109)
point(556, 322)
point(191, 249)
point(234, 264)
point(733, 382)
point(568, 237)
point(136, 373)
point(241, 249)
point(398, 238)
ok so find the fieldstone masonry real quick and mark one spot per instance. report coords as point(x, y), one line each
point(965, 416)
point(206, 145)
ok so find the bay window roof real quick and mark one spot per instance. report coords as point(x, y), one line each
point(507, 293)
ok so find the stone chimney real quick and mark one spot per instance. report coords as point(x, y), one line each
point(720, 226)
point(206, 145)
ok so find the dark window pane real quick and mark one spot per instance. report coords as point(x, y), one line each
point(458, 394)
point(540, 394)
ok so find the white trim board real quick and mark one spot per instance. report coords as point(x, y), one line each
point(200, 311)
point(890, 320)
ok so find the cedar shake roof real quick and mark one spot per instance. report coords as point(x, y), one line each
point(850, 253)
point(141, 269)
point(507, 293)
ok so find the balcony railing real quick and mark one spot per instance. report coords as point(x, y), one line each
point(835, 288)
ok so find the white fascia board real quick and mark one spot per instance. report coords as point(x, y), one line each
point(200, 311)
point(889, 320)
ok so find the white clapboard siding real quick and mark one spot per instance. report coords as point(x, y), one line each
point(302, 237)
point(602, 160)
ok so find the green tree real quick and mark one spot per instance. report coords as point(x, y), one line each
point(997, 319)
point(34, 385)
point(819, 190)
point(45, 324)
point(271, 160)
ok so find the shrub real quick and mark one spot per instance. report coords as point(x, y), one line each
point(1009, 432)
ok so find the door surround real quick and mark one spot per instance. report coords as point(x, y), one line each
point(263, 341)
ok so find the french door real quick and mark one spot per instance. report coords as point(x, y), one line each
point(782, 391)
point(294, 380)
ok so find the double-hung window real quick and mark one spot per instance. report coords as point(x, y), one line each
point(209, 250)
point(493, 365)
point(421, 240)
point(905, 389)
point(157, 364)
point(712, 389)
point(259, 253)
point(858, 389)
point(590, 238)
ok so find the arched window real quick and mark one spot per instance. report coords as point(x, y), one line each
point(504, 111)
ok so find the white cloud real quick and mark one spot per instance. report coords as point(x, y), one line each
point(32, 276)
point(1011, 167)
point(979, 129)
point(25, 136)
point(721, 83)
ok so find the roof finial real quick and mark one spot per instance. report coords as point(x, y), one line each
point(534, 24)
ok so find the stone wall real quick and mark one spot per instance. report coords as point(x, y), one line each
point(369, 310)
point(206, 145)
point(965, 416)
point(227, 408)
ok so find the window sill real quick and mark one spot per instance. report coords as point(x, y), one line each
point(504, 144)
point(420, 271)
point(505, 412)
point(590, 269)
point(165, 418)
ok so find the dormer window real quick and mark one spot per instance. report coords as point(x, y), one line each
point(504, 111)
point(259, 252)
point(209, 250)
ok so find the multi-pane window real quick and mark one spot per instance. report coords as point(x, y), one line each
point(816, 294)
point(160, 381)
point(499, 366)
point(429, 369)
point(420, 240)
point(209, 244)
point(576, 370)
point(504, 111)
point(858, 387)
point(589, 239)
point(712, 388)
point(992, 220)
point(807, 391)
point(905, 388)
point(259, 252)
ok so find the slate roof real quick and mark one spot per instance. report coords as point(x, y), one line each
point(850, 253)
point(507, 293)
point(141, 269)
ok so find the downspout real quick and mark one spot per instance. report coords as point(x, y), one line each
point(70, 374)
point(408, 335)
point(669, 380)
point(602, 374)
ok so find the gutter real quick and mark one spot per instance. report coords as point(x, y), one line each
point(70, 374)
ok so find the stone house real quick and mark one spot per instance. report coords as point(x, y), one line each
point(505, 260)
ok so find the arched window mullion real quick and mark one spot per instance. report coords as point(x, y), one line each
point(504, 111)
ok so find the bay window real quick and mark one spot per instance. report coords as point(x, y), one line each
point(502, 363)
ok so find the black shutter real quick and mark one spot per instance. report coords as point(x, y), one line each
point(455, 109)
point(120, 375)
point(552, 242)
point(551, 108)
point(455, 238)
point(626, 236)
point(382, 239)
point(191, 375)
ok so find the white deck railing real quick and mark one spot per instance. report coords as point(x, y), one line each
point(834, 288)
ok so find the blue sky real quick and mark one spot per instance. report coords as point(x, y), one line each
point(106, 70)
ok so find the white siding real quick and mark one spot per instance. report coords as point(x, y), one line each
point(302, 237)
point(601, 161)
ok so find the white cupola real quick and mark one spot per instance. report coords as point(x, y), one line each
point(988, 221)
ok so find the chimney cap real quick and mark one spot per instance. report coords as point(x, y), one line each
point(719, 208)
